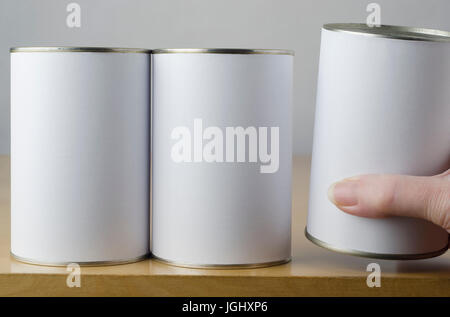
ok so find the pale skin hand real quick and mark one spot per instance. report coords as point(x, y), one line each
point(377, 196)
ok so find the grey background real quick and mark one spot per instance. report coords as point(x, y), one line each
point(286, 24)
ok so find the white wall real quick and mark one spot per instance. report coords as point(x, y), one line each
point(291, 24)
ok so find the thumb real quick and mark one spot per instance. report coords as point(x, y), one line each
point(395, 195)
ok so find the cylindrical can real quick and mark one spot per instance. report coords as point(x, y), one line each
point(221, 157)
point(80, 167)
point(383, 106)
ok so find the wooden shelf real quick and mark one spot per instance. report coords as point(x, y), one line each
point(312, 272)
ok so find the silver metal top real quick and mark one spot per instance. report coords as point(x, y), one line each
point(222, 51)
point(383, 256)
point(223, 266)
point(89, 263)
point(79, 49)
point(391, 31)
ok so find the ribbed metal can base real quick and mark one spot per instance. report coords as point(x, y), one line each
point(88, 263)
point(222, 266)
point(382, 256)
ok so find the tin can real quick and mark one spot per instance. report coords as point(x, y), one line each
point(383, 106)
point(222, 157)
point(80, 167)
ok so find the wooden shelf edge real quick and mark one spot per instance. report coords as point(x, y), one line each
point(165, 285)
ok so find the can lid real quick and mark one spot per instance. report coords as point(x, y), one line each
point(78, 49)
point(222, 51)
point(391, 31)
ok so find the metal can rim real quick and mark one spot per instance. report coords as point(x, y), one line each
point(242, 51)
point(63, 49)
point(391, 31)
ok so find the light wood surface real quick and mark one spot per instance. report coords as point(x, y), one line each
point(313, 271)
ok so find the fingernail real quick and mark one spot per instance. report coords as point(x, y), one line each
point(344, 193)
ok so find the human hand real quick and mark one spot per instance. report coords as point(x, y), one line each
point(377, 196)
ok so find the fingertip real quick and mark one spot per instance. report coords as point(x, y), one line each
point(344, 192)
point(330, 193)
